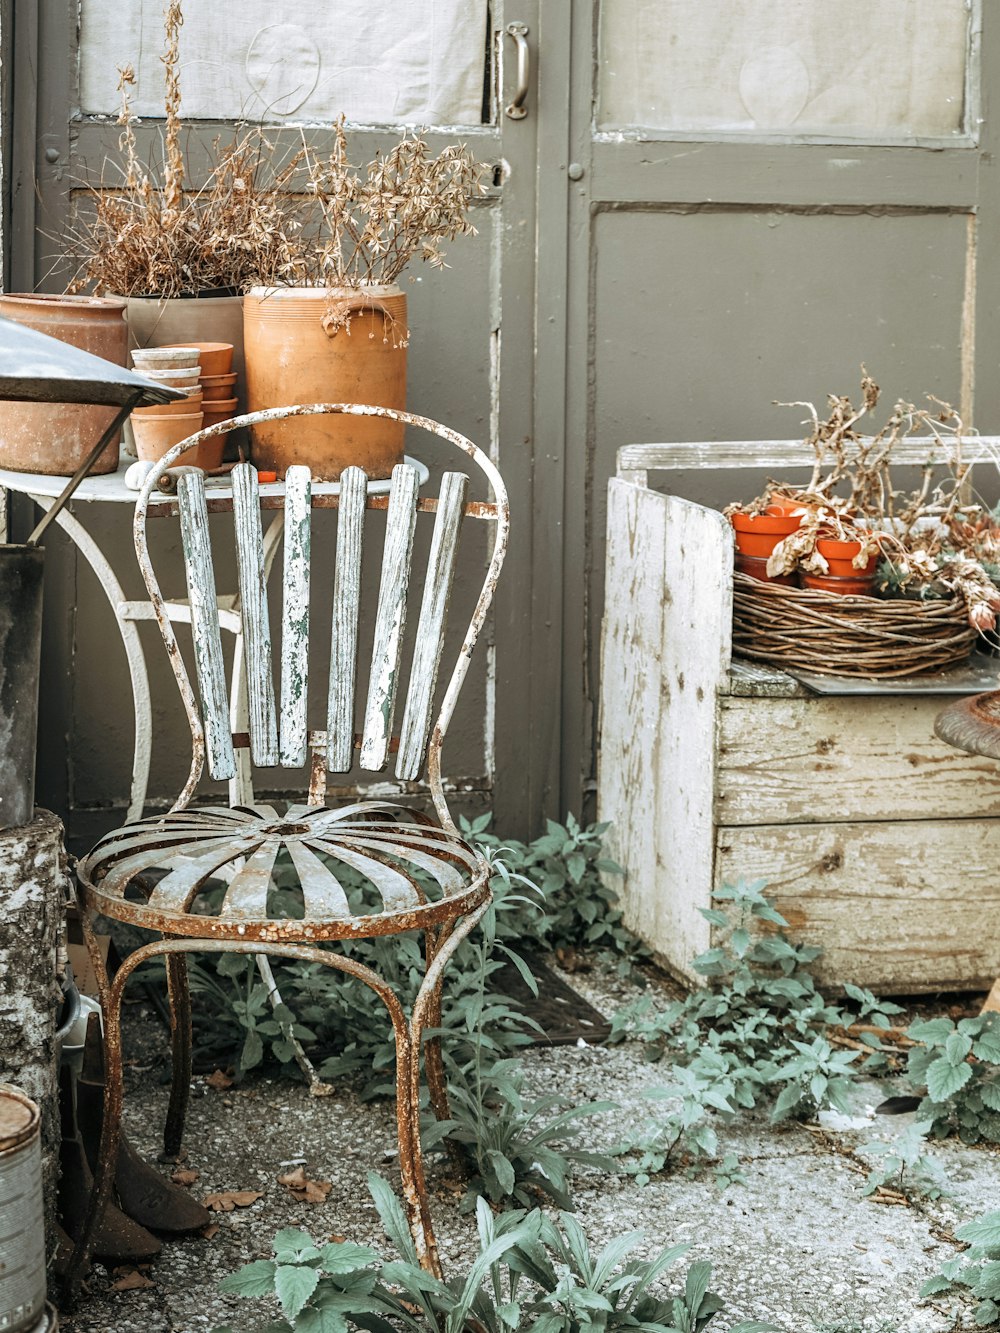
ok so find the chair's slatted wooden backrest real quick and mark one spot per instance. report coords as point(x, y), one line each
point(280, 736)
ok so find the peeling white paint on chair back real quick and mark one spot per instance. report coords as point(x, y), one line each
point(390, 618)
point(200, 575)
point(346, 610)
point(431, 627)
point(281, 736)
point(293, 721)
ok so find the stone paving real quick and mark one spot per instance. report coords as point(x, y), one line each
point(797, 1244)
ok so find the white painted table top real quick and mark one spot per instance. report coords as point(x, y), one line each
point(111, 488)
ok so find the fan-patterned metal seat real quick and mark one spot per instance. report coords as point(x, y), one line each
point(205, 876)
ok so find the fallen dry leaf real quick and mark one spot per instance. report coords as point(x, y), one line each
point(211, 1230)
point(336, 1238)
point(132, 1281)
point(184, 1176)
point(219, 1081)
point(226, 1201)
point(309, 1191)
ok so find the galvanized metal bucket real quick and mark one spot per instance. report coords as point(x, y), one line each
point(20, 653)
point(22, 1224)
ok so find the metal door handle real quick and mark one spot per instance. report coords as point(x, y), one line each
point(519, 31)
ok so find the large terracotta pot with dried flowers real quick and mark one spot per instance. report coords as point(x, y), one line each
point(340, 333)
point(314, 345)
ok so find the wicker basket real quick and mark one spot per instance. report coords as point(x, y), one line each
point(809, 630)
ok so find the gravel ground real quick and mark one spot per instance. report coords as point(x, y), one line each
point(797, 1244)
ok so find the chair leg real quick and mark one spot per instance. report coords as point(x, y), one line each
point(437, 1083)
point(179, 995)
point(107, 1157)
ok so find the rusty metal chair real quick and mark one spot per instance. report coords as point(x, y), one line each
point(417, 872)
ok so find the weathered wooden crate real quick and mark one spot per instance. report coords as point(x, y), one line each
point(879, 842)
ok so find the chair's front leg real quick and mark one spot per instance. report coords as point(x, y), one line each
point(107, 1156)
point(179, 996)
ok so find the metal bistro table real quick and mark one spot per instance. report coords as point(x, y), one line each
point(111, 489)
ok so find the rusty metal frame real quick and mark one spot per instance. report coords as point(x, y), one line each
point(391, 846)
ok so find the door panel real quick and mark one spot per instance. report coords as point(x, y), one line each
point(868, 69)
point(404, 63)
point(729, 251)
point(461, 370)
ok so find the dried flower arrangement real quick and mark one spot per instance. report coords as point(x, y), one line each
point(305, 220)
point(930, 542)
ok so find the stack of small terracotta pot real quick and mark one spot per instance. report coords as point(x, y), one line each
point(203, 373)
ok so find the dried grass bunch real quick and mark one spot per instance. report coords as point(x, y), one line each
point(933, 540)
point(369, 222)
point(307, 220)
point(150, 236)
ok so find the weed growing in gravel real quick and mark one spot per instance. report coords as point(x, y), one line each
point(531, 1272)
point(957, 1065)
point(905, 1168)
point(974, 1273)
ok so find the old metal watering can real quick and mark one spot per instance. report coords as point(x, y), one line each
point(37, 368)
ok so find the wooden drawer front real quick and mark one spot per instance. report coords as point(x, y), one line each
point(786, 761)
point(903, 907)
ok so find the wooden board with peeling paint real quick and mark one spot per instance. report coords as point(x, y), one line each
point(781, 760)
point(879, 842)
point(902, 907)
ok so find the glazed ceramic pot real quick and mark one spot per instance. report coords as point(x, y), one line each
point(55, 438)
point(293, 359)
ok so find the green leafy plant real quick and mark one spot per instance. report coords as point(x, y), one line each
point(578, 908)
point(904, 1165)
point(531, 1272)
point(957, 1065)
point(517, 1151)
point(759, 1031)
point(974, 1273)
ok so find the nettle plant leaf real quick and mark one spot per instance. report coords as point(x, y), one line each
point(984, 1233)
point(293, 1285)
point(944, 1079)
point(252, 1280)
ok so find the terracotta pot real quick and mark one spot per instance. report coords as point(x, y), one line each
point(215, 387)
point(55, 438)
point(156, 433)
point(187, 378)
point(292, 360)
point(187, 321)
point(215, 358)
point(211, 451)
point(759, 534)
point(218, 409)
point(859, 586)
point(186, 407)
point(165, 358)
point(840, 555)
point(756, 567)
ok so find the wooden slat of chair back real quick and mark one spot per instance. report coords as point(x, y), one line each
point(346, 611)
point(293, 721)
point(390, 618)
point(200, 575)
point(282, 736)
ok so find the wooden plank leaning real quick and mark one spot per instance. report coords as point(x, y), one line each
point(206, 632)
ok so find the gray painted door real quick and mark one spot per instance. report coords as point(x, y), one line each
point(768, 196)
point(463, 371)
